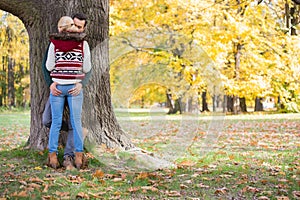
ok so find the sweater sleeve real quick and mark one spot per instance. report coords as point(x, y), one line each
point(46, 73)
point(87, 58)
point(50, 62)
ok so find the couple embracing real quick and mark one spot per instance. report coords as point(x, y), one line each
point(66, 68)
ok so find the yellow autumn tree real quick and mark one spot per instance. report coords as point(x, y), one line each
point(14, 80)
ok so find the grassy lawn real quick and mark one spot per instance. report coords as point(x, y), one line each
point(232, 157)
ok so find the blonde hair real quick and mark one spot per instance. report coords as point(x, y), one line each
point(66, 23)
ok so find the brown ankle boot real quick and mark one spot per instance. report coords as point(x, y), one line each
point(78, 159)
point(52, 160)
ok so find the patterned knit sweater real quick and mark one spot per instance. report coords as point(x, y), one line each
point(68, 60)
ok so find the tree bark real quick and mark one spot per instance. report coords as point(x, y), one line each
point(294, 13)
point(10, 71)
point(3, 81)
point(258, 104)
point(224, 104)
point(204, 102)
point(243, 104)
point(10, 82)
point(40, 18)
point(230, 103)
point(237, 58)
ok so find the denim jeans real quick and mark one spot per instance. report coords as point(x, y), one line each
point(47, 120)
point(75, 107)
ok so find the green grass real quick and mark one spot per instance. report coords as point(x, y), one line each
point(251, 158)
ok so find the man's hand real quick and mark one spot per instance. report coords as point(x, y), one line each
point(75, 90)
point(54, 91)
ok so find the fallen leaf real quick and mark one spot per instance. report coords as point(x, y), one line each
point(36, 180)
point(97, 195)
point(188, 181)
point(151, 188)
point(46, 188)
point(250, 189)
point(38, 168)
point(282, 198)
point(143, 175)
point(62, 194)
point(182, 186)
point(23, 182)
point(201, 185)
point(296, 194)
point(173, 193)
point(117, 179)
point(186, 163)
point(34, 185)
point(133, 189)
point(20, 194)
point(263, 198)
point(98, 174)
point(82, 195)
point(221, 191)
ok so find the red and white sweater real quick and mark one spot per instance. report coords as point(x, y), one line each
point(68, 61)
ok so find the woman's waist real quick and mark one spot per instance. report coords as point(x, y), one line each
point(66, 81)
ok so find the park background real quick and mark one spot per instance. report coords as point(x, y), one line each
point(201, 59)
point(250, 51)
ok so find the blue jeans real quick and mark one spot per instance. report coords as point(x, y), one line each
point(57, 107)
point(47, 120)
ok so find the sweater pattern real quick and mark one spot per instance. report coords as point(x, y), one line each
point(68, 59)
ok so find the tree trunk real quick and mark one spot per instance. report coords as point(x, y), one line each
point(3, 81)
point(225, 104)
point(10, 82)
point(178, 105)
point(170, 103)
point(10, 71)
point(294, 13)
point(189, 105)
point(243, 104)
point(237, 58)
point(215, 104)
point(40, 18)
point(258, 104)
point(230, 104)
point(204, 102)
point(287, 15)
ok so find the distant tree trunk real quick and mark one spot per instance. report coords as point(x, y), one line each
point(258, 104)
point(204, 102)
point(178, 105)
point(10, 83)
point(237, 57)
point(10, 69)
point(294, 13)
point(3, 81)
point(224, 104)
point(189, 105)
point(243, 104)
point(170, 103)
point(40, 18)
point(236, 105)
point(214, 100)
point(230, 104)
point(174, 107)
point(287, 15)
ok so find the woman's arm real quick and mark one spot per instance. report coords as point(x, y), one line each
point(50, 63)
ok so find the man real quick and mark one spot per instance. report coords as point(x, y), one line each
point(80, 22)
